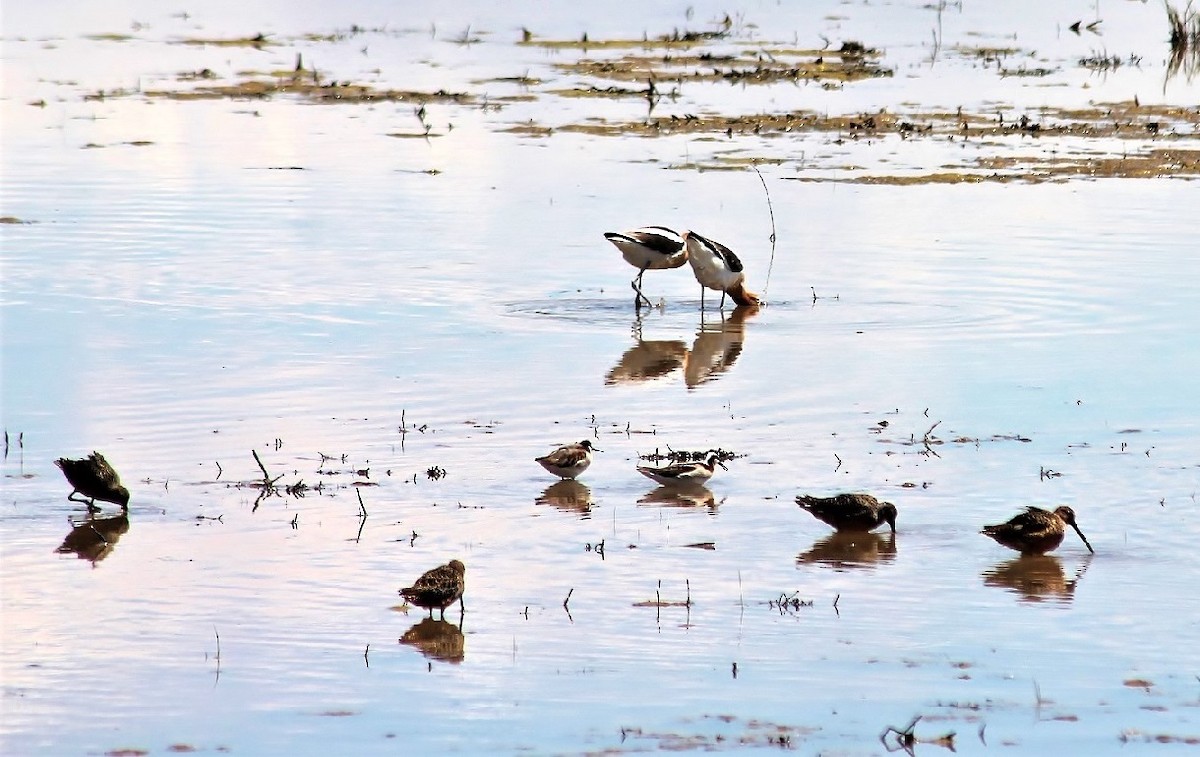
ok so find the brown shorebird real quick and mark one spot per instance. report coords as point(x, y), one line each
point(95, 479)
point(1036, 531)
point(716, 267)
point(570, 460)
point(850, 512)
point(690, 474)
point(438, 588)
point(649, 248)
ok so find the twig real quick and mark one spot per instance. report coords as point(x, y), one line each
point(771, 210)
point(568, 599)
point(220, 470)
point(366, 652)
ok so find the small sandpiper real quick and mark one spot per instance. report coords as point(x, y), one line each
point(1036, 531)
point(439, 588)
point(570, 460)
point(850, 512)
point(716, 267)
point(649, 248)
point(95, 479)
point(692, 474)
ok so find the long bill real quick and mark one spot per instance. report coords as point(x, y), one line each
point(1081, 536)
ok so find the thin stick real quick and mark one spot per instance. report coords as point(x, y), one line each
point(568, 599)
point(771, 209)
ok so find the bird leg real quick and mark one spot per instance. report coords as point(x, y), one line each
point(637, 287)
point(90, 502)
point(722, 307)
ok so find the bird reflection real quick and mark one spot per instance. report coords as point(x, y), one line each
point(94, 538)
point(681, 495)
point(1036, 578)
point(569, 495)
point(717, 346)
point(851, 549)
point(436, 639)
point(647, 360)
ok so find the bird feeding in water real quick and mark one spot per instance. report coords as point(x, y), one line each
point(437, 589)
point(569, 460)
point(649, 248)
point(850, 512)
point(717, 267)
point(684, 473)
point(95, 479)
point(1036, 531)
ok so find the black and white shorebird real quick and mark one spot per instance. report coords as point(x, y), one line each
point(649, 248)
point(439, 588)
point(716, 267)
point(688, 474)
point(95, 479)
point(569, 460)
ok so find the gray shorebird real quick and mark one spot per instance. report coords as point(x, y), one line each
point(437, 589)
point(850, 512)
point(649, 248)
point(716, 267)
point(568, 461)
point(693, 474)
point(95, 479)
point(1036, 531)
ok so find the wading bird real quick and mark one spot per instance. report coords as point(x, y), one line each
point(1036, 531)
point(439, 588)
point(95, 479)
point(570, 460)
point(716, 267)
point(649, 248)
point(684, 473)
point(850, 512)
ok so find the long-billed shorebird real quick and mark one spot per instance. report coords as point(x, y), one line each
point(649, 248)
point(95, 479)
point(850, 512)
point(716, 267)
point(684, 473)
point(439, 588)
point(570, 460)
point(1036, 531)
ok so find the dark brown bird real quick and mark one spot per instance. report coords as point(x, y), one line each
point(1036, 531)
point(568, 461)
point(95, 479)
point(850, 512)
point(438, 588)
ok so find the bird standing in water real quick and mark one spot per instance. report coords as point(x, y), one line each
point(649, 248)
point(95, 479)
point(1036, 531)
point(570, 460)
point(850, 512)
point(684, 473)
point(439, 588)
point(716, 267)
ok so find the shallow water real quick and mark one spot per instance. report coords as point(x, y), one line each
point(282, 276)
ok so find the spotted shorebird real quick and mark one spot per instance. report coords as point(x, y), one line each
point(570, 460)
point(693, 474)
point(95, 479)
point(649, 248)
point(850, 512)
point(437, 589)
point(716, 267)
point(1036, 531)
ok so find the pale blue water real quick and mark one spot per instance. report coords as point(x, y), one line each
point(181, 303)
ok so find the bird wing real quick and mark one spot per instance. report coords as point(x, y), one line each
point(565, 457)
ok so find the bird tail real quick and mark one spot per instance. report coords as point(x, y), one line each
point(743, 296)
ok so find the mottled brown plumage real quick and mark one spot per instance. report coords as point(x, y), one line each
point(568, 461)
point(95, 479)
point(850, 512)
point(1036, 531)
point(437, 589)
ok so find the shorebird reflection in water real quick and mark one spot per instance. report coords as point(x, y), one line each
point(570, 460)
point(649, 248)
point(685, 474)
point(647, 360)
point(691, 496)
point(439, 588)
point(850, 512)
point(95, 538)
point(95, 479)
point(717, 267)
point(567, 494)
point(850, 549)
point(1036, 578)
point(1036, 531)
point(437, 639)
point(717, 346)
